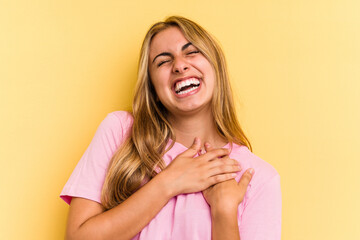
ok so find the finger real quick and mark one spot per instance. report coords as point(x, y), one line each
point(215, 153)
point(221, 178)
point(208, 147)
point(222, 161)
point(193, 149)
point(227, 160)
point(245, 179)
point(223, 169)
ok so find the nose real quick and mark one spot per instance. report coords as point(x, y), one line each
point(180, 65)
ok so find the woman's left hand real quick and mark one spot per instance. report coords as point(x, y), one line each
point(229, 193)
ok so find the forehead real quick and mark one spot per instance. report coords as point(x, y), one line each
point(168, 40)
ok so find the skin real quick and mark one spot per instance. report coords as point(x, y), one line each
point(212, 172)
point(230, 194)
point(191, 116)
point(172, 58)
point(177, 64)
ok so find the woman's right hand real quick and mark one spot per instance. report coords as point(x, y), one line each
point(187, 173)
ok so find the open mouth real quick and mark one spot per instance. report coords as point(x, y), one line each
point(188, 85)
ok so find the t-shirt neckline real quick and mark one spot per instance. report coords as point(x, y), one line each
point(180, 145)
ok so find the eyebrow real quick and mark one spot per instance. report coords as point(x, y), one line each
point(169, 54)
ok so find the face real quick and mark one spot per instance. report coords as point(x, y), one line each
point(183, 78)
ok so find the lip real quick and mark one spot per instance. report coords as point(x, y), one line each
point(189, 93)
point(182, 79)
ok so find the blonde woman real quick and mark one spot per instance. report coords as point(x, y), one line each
point(179, 166)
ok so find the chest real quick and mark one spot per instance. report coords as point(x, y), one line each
point(186, 216)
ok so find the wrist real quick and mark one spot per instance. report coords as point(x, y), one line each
point(224, 210)
point(224, 223)
point(222, 203)
point(163, 183)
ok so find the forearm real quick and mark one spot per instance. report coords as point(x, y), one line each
point(224, 224)
point(130, 217)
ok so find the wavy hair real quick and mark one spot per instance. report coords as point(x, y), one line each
point(141, 154)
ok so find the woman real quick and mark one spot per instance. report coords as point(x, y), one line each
point(167, 170)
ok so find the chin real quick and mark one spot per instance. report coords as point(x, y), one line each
point(192, 109)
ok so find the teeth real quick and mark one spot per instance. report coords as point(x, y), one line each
point(187, 82)
point(186, 91)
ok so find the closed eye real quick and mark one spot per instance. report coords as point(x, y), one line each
point(193, 52)
point(162, 62)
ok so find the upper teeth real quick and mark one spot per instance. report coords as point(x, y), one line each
point(185, 83)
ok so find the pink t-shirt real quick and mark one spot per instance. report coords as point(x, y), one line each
point(186, 216)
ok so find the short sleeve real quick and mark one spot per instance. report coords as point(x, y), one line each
point(87, 179)
point(261, 218)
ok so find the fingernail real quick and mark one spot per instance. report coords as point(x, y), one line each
point(233, 175)
point(251, 171)
point(207, 144)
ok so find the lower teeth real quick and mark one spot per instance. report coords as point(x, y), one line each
point(188, 90)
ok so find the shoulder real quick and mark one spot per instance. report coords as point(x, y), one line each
point(119, 122)
point(264, 171)
point(262, 203)
point(122, 118)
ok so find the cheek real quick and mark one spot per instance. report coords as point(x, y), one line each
point(155, 80)
point(160, 87)
point(158, 83)
point(158, 76)
point(210, 74)
point(206, 67)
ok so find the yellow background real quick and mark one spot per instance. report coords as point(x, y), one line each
point(295, 67)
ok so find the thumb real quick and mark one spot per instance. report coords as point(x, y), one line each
point(193, 149)
point(245, 180)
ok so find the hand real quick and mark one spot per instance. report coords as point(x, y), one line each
point(228, 193)
point(187, 173)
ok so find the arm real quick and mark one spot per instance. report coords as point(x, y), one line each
point(224, 223)
point(224, 199)
point(87, 219)
point(261, 219)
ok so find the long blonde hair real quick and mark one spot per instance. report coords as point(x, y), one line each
point(138, 157)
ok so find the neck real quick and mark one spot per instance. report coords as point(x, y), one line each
point(201, 125)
